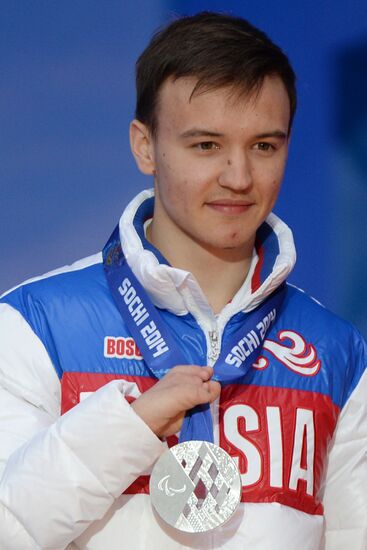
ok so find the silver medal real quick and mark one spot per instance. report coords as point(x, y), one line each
point(195, 486)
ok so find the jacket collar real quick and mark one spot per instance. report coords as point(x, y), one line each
point(177, 290)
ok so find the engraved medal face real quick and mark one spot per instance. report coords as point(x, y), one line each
point(195, 486)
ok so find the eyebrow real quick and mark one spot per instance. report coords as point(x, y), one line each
point(200, 132)
point(276, 134)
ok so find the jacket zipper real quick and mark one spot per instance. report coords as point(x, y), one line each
point(213, 351)
point(214, 346)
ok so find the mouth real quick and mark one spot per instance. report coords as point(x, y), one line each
point(228, 206)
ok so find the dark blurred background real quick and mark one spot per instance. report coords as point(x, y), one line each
point(67, 96)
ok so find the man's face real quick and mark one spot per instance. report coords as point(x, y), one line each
point(219, 162)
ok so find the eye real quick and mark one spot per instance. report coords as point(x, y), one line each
point(207, 145)
point(264, 146)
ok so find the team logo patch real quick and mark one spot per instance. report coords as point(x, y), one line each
point(121, 348)
point(294, 352)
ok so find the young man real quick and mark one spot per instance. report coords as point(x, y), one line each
point(215, 105)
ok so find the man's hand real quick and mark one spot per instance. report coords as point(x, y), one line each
point(163, 407)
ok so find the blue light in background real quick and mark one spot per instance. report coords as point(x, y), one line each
point(66, 99)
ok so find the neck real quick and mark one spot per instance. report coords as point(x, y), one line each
point(220, 273)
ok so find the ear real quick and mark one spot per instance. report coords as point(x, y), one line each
point(141, 143)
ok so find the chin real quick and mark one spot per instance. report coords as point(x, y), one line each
point(230, 245)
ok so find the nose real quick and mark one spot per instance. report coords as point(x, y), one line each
point(236, 174)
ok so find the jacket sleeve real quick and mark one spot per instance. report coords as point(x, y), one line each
point(345, 497)
point(59, 474)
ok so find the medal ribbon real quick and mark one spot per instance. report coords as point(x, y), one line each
point(160, 350)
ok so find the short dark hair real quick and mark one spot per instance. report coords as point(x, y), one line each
point(220, 50)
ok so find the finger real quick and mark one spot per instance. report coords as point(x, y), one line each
point(214, 390)
point(192, 371)
point(206, 373)
point(185, 369)
point(208, 392)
